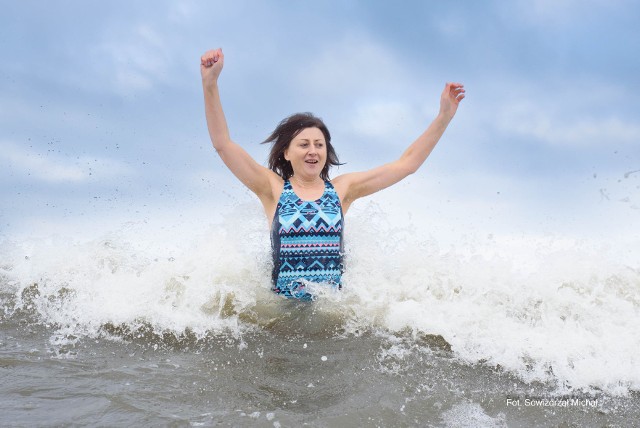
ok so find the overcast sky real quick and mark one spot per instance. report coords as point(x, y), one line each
point(101, 107)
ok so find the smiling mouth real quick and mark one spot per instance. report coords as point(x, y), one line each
point(311, 161)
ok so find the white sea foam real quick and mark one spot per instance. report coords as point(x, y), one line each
point(544, 308)
point(471, 415)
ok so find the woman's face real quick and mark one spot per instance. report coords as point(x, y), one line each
point(307, 153)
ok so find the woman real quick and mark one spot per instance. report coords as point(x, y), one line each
point(307, 209)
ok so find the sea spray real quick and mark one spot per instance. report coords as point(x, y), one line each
point(544, 308)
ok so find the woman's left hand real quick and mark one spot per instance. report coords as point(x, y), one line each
point(450, 99)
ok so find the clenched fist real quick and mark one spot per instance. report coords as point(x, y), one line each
point(211, 64)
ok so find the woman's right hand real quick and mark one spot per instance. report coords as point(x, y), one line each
point(211, 64)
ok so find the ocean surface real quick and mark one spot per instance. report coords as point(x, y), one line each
point(142, 325)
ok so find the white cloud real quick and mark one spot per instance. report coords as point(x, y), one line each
point(386, 119)
point(182, 12)
point(453, 25)
point(56, 169)
point(351, 65)
point(553, 13)
point(371, 91)
point(534, 120)
point(139, 57)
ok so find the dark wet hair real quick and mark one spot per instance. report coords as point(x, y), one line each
point(285, 132)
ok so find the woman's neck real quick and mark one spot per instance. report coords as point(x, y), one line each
point(306, 183)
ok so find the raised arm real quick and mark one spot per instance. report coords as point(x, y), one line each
point(253, 175)
point(356, 185)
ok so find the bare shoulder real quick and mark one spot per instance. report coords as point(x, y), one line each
point(277, 184)
point(270, 199)
point(356, 185)
point(342, 184)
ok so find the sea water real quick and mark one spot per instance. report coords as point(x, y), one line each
point(143, 325)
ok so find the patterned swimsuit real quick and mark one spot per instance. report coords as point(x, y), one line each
point(306, 239)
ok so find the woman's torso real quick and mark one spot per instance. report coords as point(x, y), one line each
point(306, 238)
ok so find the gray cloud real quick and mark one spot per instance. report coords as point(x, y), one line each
point(115, 85)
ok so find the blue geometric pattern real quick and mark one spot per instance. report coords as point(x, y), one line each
point(306, 239)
